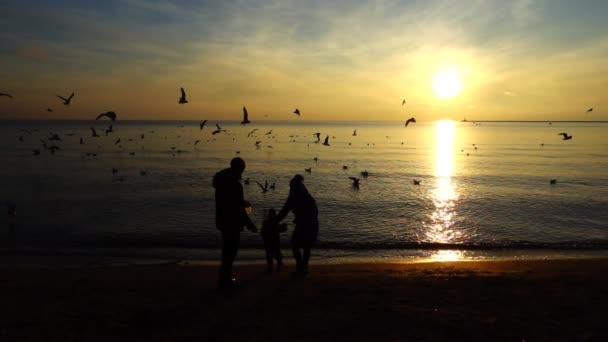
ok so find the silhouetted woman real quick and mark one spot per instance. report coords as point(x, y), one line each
point(306, 221)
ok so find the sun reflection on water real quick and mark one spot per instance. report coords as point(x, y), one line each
point(444, 195)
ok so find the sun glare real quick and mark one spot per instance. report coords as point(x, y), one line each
point(447, 83)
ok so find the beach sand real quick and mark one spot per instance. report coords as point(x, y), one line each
point(550, 300)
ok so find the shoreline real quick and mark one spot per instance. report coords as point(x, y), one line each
point(559, 300)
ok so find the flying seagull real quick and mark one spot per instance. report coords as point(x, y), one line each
point(250, 133)
point(196, 142)
point(309, 170)
point(416, 182)
point(565, 136)
point(203, 124)
point(326, 143)
point(410, 120)
point(94, 133)
point(245, 117)
point(182, 99)
point(365, 174)
point(297, 112)
point(355, 133)
point(66, 101)
point(590, 110)
point(318, 136)
point(110, 115)
point(49, 110)
point(355, 182)
point(268, 133)
point(7, 95)
point(402, 103)
point(264, 187)
point(218, 131)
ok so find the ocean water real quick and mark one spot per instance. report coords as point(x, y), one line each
point(482, 186)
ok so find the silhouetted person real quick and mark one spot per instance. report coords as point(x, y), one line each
point(271, 235)
point(230, 216)
point(306, 214)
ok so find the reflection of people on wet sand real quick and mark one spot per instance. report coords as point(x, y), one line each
point(271, 234)
point(306, 220)
point(230, 216)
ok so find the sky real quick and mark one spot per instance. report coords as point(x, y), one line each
point(334, 60)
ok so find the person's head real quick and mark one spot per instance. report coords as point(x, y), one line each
point(297, 187)
point(237, 165)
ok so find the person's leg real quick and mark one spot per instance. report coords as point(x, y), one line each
point(230, 247)
point(269, 255)
point(305, 259)
point(298, 256)
point(278, 255)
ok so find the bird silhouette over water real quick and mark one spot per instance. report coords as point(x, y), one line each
point(565, 136)
point(410, 120)
point(94, 133)
point(202, 125)
point(552, 181)
point(590, 110)
point(364, 174)
point(297, 112)
point(268, 133)
point(355, 182)
point(245, 117)
point(66, 101)
point(49, 109)
point(416, 182)
point(263, 187)
point(250, 133)
point(182, 99)
point(196, 142)
point(309, 170)
point(326, 142)
point(7, 95)
point(109, 115)
point(317, 135)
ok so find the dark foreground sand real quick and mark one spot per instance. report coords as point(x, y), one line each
point(565, 300)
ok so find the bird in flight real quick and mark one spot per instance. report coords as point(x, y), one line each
point(403, 102)
point(326, 142)
point(250, 133)
point(66, 101)
point(109, 115)
point(219, 130)
point(318, 136)
point(590, 110)
point(552, 181)
point(309, 170)
point(49, 110)
point(355, 133)
point(7, 95)
point(257, 143)
point(182, 99)
point(196, 142)
point(365, 174)
point(264, 187)
point(355, 182)
point(416, 182)
point(297, 112)
point(245, 117)
point(203, 124)
point(268, 133)
point(565, 136)
point(410, 120)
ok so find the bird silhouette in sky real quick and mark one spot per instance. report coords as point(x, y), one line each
point(202, 125)
point(309, 170)
point(66, 101)
point(590, 110)
point(268, 133)
point(297, 112)
point(182, 99)
point(364, 174)
point(403, 102)
point(109, 115)
point(49, 109)
point(355, 133)
point(318, 136)
point(410, 120)
point(196, 142)
point(245, 117)
point(565, 136)
point(7, 95)
point(326, 142)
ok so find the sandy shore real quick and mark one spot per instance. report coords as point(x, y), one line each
point(565, 300)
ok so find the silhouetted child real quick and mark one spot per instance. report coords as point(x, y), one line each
point(271, 234)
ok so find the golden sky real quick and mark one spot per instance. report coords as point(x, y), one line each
point(342, 60)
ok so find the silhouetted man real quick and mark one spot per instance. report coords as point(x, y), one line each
point(230, 216)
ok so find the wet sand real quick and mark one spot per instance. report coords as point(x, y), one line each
point(557, 300)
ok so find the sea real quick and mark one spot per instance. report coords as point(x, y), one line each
point(484, 189)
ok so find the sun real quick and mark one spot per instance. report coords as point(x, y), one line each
point(447, 83)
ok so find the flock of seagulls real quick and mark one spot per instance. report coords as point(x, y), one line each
point(112, 116)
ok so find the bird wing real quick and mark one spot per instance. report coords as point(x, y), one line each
point(101, 116)
point(261, 186)
point(69, 98)
point(245, 115)
point(183, 92)
point(327, 139)
point(564, 134)
point(218, 126)
point(196, 142)
point(63, 98)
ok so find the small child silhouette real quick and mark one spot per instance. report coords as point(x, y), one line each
point(271, 234)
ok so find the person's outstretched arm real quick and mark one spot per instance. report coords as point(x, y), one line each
point(284, 211)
